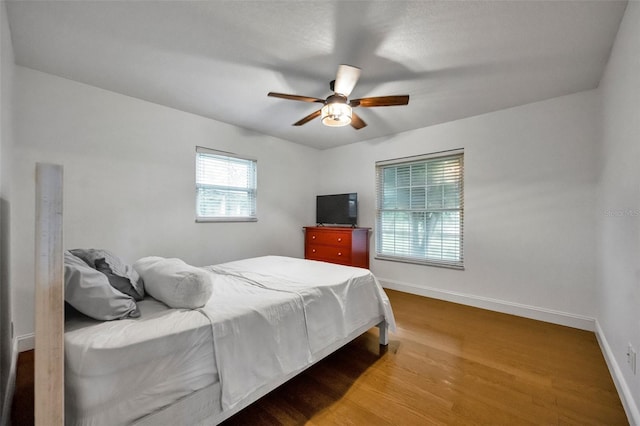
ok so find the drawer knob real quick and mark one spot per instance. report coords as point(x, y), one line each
point(339, 254)
point(313, 251)
point(339, 239)
point(313, 237)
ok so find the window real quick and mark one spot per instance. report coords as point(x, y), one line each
point(225, 187)
point(420, 209)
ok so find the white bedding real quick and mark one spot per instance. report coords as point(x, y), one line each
point(269, 317)
point(271, 314)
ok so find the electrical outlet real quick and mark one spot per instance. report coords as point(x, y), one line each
point(631, 358)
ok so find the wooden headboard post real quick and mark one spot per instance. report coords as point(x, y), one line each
point(49, 298)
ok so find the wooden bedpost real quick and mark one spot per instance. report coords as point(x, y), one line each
point(49, 294)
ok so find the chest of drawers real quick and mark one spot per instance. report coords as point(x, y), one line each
point(346, 246)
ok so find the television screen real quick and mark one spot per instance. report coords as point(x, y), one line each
point(337, 209)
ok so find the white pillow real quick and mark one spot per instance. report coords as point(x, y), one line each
point(89, 292)
point(174, 282)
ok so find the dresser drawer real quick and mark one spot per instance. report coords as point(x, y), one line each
point(328, 253)
point(347, 246)
point(331, 238)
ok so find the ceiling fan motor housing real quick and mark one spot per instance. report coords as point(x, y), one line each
point(336, 98)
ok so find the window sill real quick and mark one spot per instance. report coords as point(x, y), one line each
point(420, 262)
point(225, 219)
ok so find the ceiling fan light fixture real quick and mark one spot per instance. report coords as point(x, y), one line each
point(336, 110)
point(336, 114)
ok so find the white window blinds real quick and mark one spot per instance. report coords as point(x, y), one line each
point(420, 209)
point(225, 187)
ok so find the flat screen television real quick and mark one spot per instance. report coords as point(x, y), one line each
point(337, 209)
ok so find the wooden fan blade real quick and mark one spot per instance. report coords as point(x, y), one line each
point(357, 122)
point(295, 97)
point(346, 79)
point(307, 118)
point(379, 101)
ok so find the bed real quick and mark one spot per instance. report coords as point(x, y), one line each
point(264, 321)
point(268, 319)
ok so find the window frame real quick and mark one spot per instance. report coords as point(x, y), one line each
point(432, 158)
point(252, 189)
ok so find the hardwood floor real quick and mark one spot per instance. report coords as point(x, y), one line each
point(449, 364)
point(22, 407)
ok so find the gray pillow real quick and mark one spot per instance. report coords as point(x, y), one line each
point(89, 291)
point(121, 284)
point(118, 266)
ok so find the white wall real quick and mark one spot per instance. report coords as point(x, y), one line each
point(130, 180)
point(619, 204)
point(529, 244)
point(7, 343)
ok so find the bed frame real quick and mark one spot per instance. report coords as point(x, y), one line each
point(199, 408)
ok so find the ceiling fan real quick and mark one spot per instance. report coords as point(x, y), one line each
point(337, 110)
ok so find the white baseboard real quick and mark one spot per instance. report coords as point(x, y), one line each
point(10, 385)
point(526, 311)
point(26, 342)
point(629, 404)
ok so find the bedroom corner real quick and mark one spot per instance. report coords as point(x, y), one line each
point(8, 343)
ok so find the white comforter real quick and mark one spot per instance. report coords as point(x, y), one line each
point(271, 314)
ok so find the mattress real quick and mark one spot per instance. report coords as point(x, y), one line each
point(119, 371)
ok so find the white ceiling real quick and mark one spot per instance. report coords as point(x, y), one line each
point(219, 59)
